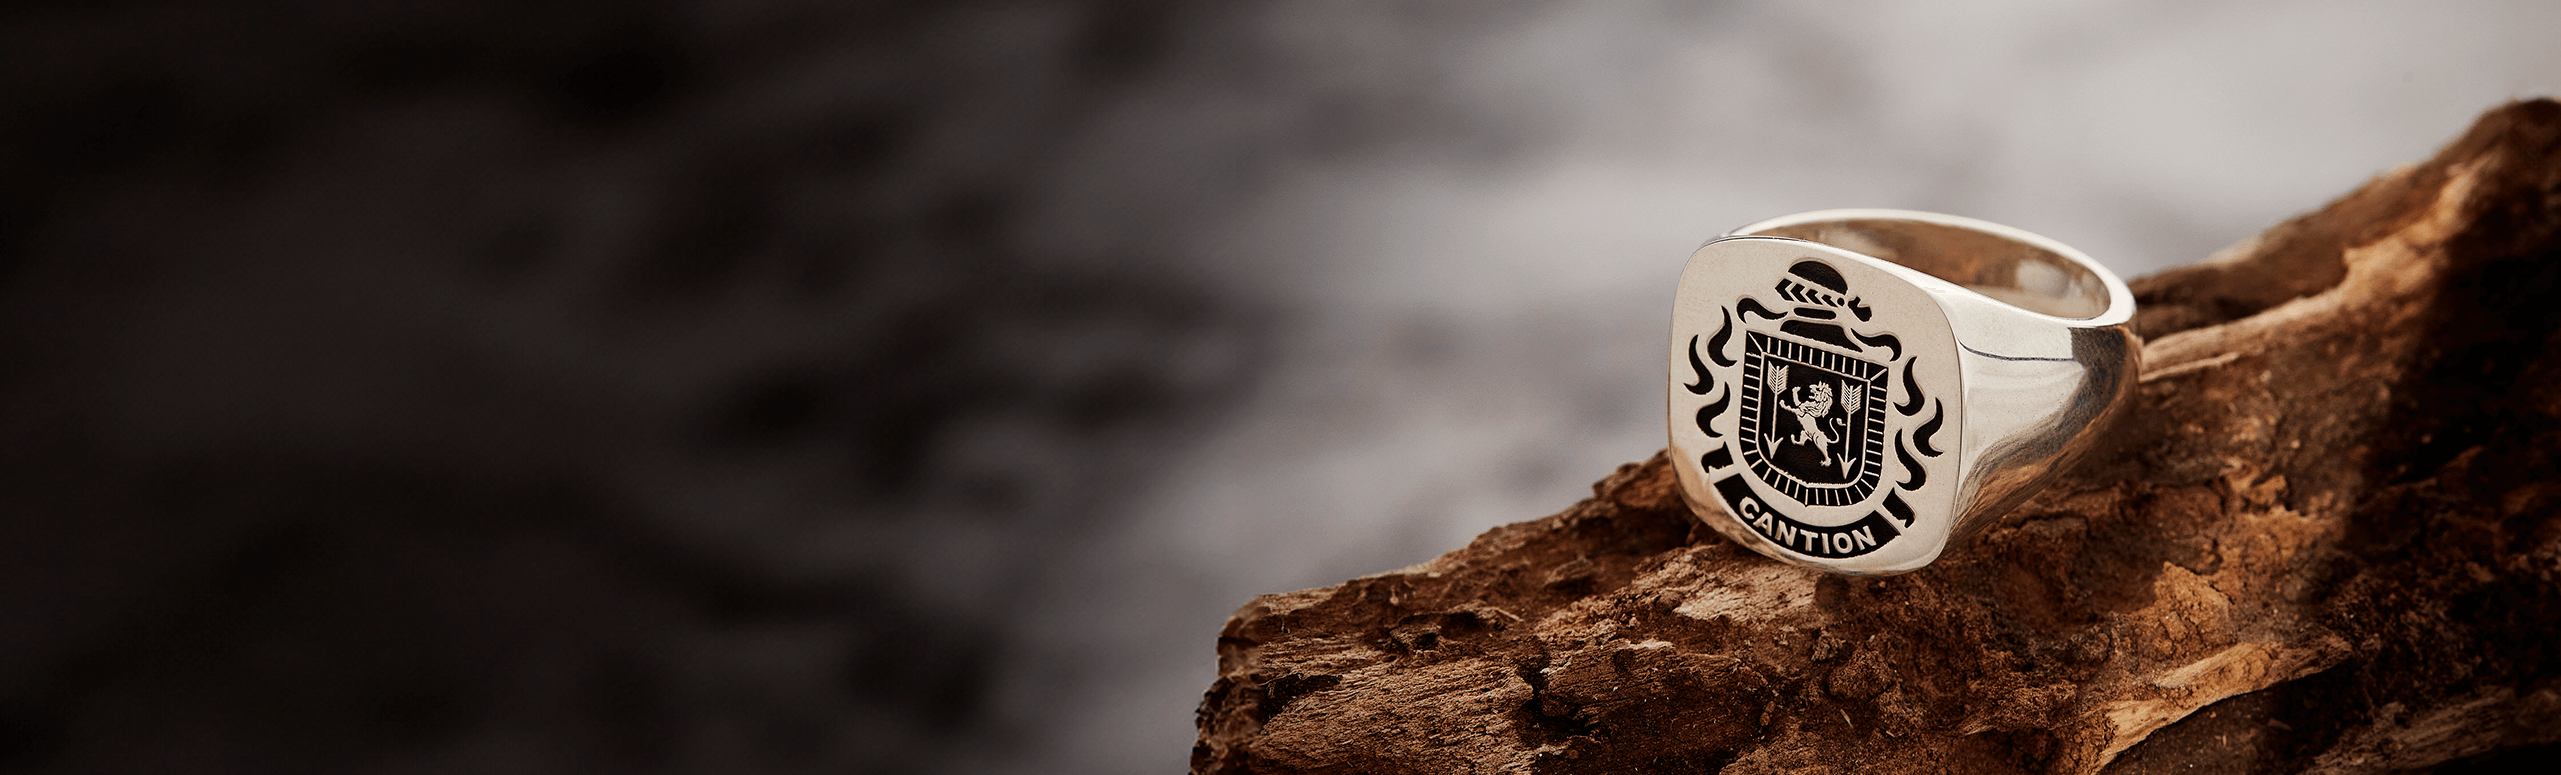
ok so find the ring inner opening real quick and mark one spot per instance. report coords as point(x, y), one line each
point(2012, 271)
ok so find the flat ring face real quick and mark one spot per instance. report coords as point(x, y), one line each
point(1815, 398)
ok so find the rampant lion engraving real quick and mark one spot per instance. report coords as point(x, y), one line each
point(1812, 411)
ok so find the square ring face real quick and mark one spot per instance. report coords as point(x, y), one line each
point(1814, 396)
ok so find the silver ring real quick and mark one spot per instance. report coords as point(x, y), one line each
point(1859, 390)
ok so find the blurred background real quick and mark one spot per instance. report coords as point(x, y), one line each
point(795, 386)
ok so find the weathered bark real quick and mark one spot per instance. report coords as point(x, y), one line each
point(2323, 541)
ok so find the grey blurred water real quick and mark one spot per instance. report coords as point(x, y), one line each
point(791, 386)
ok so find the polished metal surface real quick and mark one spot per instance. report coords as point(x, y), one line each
point(1861, 390)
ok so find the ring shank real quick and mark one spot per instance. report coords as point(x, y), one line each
point(2013, 266)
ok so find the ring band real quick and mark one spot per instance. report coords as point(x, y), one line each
point(1859, 390)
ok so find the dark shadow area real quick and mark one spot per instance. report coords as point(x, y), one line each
point(584, 387)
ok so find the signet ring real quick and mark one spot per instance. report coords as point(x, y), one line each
point(1860, 390)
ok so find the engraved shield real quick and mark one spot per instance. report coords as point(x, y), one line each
point(1813, 420)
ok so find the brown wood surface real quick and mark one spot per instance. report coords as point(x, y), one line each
point(2322, 541)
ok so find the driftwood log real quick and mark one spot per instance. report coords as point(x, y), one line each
point(2322, 541)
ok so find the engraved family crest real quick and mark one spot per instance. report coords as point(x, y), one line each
point(1813, 409)
point(1809, 407)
